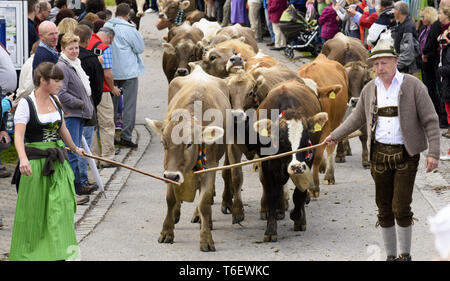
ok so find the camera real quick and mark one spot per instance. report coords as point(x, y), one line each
point(98, 51)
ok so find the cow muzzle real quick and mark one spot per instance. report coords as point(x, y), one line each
point(174, 176)
point(182, 72)
point(235, 63)
point(297, 168)
point(304, 181)
point(162, 16)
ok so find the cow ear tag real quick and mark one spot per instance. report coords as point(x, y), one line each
point(317, 127)
point(264, 132)
point(332, 95)
point(208, 135)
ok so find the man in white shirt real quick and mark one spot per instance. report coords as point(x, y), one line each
point(402, 123)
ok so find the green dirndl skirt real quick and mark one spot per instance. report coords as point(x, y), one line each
point(44, 219)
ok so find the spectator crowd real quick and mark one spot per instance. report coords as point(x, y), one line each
point(92, 49)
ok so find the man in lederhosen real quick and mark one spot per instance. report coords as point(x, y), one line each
point(402, 122)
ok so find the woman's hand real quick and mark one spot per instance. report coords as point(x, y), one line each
point(79, 151)
point(25, 167)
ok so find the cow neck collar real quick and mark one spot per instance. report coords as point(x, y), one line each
point(201, 158)
point(179, 18)
point(255, 99)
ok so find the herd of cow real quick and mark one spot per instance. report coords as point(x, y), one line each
point(223, 70)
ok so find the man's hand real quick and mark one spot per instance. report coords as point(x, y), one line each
point(351, 11)
point(4, 135)
point(424, 58)
point(115, 91)
point(431, 164)
point(329, 141)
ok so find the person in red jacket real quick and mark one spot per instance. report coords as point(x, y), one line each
point(365, 15)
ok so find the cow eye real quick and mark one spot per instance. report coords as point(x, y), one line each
point(211, 58)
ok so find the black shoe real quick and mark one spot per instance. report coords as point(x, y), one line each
point(107, 165)
point(87, 189)
point(277, 49)
point(127, 143)
point(390, 258)
point(404, 257)
point(4, 173)
point(117, 151)
point(270, 44)
point(82, 199)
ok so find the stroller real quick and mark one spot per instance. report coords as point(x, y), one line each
point(300, 33)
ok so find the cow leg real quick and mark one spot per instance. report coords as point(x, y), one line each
point(237, 209)
point(329, 174)
point(298, 214)
point(365, 150)
point(340, 153)
point(347, 147)
point(318, 156)
point(204, 208)
point(167, 233)
point(227, 195)
point(263, 211)
point(177, 212)
point(274, 193)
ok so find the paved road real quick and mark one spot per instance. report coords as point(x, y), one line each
point(341, 224)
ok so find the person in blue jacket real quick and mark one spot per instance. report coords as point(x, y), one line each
point(127, 66)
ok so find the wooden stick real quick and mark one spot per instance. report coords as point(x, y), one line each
point(355, 134)
point(128, 167)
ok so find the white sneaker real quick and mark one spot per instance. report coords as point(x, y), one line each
point(445, 158)
point(150, 10)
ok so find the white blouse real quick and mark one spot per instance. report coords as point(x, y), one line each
point(22, 114)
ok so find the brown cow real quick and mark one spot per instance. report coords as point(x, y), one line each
point(358, 76)
point(216, 60)
point(182, 49)
point(181, 151)
point(169, 9)
point(266, 79)
point(260, 60)
point(235, 32)
point(354, 57)
point(345, 49)
point(327, 72)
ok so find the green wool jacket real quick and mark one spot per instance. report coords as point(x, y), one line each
point(417, 116)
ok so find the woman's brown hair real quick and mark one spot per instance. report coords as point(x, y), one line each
point(47, 71)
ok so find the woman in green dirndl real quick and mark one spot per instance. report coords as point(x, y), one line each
point(44, 219)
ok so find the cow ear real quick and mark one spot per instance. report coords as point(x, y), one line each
point(316, 122)
point(184, 5)
point(161, 4)
point(165, 38)
point(169, 49)
point(211, 134)
point(263, 127)
point(156, 125)
point(329, 91)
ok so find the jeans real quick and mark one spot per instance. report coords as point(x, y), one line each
point(87, 133)
point(269, 25)
point(75, 126)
